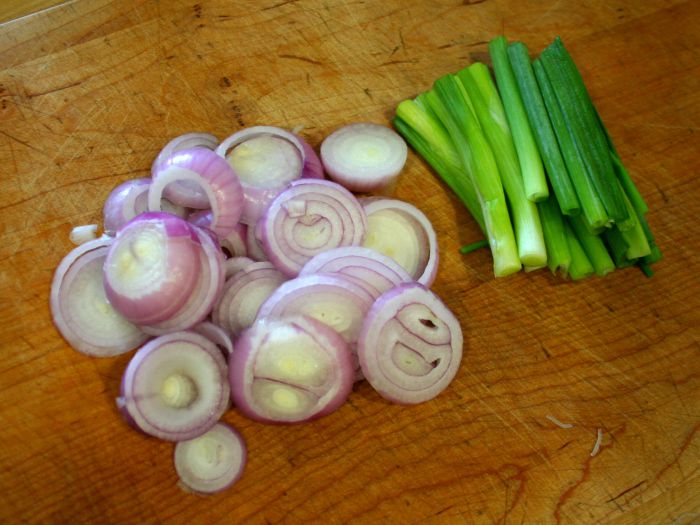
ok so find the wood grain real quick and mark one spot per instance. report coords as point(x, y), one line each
point(90, 91)
point(11, 9)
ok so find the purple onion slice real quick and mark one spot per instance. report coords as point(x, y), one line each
point(330, 298)
point(175, 387)
point(253, 244)
point(186, 192)
point(211, 462)
point(152, 267)
point(403, 232)
point(243, 294)
point(213, 174)
point(235, 264)
point(290, 370)
point(410, 346)
point(310, 217)
point(372, 270)
point(216, 335)
point(205, 293)
point(130, 199)
point(267, 159)
point(80, 308)
point(364, 156)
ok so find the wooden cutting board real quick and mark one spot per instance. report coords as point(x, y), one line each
point(91, 90)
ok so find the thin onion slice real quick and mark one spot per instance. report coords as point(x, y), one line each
point(211, 462)
point(372, 270)
point(403, 232)
point(206, 291)
point(130, 199)
point(186, 192)
point(410, 346)
point(330, 298)
point(80, 308)
point(243, 294)
point(253, 244)
point(289, 370)
point(82, 234)
point(364, 156)
point(152, 267)
point(267, 159)
point(216, 178)
point(234, 244)
point(175, 387)
point(310, 217)
point(216, 335)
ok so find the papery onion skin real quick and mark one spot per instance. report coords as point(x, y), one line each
point(142, 411)
point(88, 340)
point(168, 248)
point(309, 217)
point(216, 178)
point(433, 335)
point(257, 337)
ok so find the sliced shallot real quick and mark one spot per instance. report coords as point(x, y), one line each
point(175, 387)
point(185, 192)
point(83, 234)
point(130, 199)
point(235, 264)
point(410, 346)
point(234, 243)
point(216, 178)
point(253, 244)
point(152, 267)
point(206, 291)
point(374, 271)
point(364, 156)
point(80, 308)
point(310, 217)
point(211, 462)
point(216, 335)
point(243, 294)
point(332, 299)
point(403, 232)
point(289, 370)
point(267, 159)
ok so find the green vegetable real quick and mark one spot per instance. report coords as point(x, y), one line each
point(580, 267)
point(558, 254)
point(530, 161)
point(594, 247)
point(541, 126)
point(591, 205)
point(450, 102)
point(581, 119)
point(491, 116)
point(468, 248)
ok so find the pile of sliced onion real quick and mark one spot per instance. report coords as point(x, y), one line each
point(255, 279)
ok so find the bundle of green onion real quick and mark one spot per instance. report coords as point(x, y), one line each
point(533, 163)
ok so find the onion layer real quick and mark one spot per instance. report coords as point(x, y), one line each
point(403, 232)
point(152, 266)
point(186, 192)
point(310, 217)
point(211, 462)
point(268, 159)
point(289, 370)
point(364, 156)
point(372, 270)
point(175, 387)
point(410, 346)
point(80, 308)
point(213, 174)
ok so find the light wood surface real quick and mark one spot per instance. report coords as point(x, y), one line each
point(12, 9)
point(91, 90)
